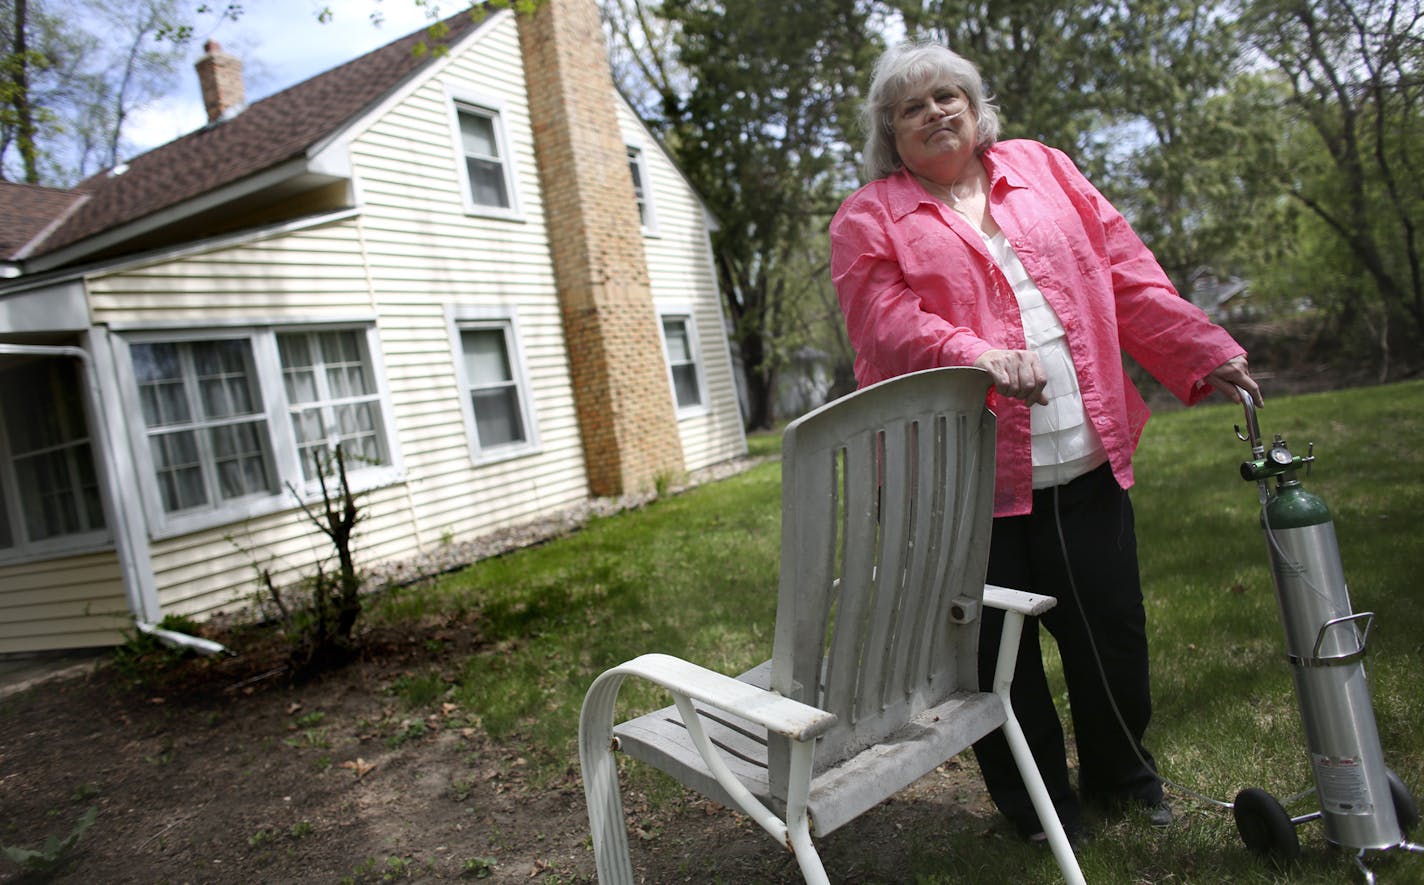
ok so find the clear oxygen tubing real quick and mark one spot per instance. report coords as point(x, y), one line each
point(1103, 675)
point(1092, 641)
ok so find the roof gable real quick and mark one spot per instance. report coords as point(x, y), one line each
point(282, 127)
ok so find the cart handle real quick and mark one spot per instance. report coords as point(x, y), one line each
point(1317, 661)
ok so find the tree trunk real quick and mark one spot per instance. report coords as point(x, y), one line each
point(24, 112)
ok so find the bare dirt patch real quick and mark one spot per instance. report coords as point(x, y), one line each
point(227, 772)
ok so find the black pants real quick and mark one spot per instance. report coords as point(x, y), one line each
point(1097, 524)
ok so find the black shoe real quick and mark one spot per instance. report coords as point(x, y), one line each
point(1160, 815)
point(1076, 834)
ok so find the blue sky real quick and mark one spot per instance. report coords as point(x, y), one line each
point(280, 42)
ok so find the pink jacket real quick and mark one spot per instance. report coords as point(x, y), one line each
point(919, 290)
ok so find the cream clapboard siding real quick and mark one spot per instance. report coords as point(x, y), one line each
point(310, 275)
point(426, 253)
point(412, 251)
point(680, 270)
point(73, 602)
point(294, 278)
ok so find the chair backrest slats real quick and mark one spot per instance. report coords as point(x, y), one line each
point(886, 503)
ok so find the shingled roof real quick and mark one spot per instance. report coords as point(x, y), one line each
point(28, 211)
point(279, 128)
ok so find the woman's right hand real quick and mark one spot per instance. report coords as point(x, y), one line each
point(1017, 374)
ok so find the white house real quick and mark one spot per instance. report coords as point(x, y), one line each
point(475, 269)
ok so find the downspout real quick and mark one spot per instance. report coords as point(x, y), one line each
point(143, 602)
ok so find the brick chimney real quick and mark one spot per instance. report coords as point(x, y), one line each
point(220, 75)
point(624, 399)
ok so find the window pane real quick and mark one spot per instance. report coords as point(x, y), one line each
point(483, 164)
point(497, 419)
point(191, 392)
point(57, 488)
point(160, 384)
point(635, 169)
point(341, 347)
point(223, 378)
point(682, 361)
point(180, 473)
point(295, 351)
point(92, 500)
point(477, 135)
point(51, 501)
point(240, 458)
point(306, 426)
point(43, 406)
point(487, 182)
point(7, 537)
point(297, 374)
point(339, 401)
point(346, 374)
point(684, 379)
point(675, 333)
point(486, 358)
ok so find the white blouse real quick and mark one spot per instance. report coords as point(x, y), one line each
point(1065, 445)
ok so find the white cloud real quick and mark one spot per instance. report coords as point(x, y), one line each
point(164, 120)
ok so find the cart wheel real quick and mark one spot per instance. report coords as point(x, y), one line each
point(1405, 808)
point(1264, 825)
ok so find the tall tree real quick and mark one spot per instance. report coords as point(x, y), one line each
point(74, 76)
point(1172, 158)
point(1354, 70)
point(756, 101)
point(17, 123)
point(1039, 58)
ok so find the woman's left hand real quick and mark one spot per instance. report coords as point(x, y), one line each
point(1233, 374)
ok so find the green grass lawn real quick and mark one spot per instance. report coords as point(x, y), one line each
point(694, 575)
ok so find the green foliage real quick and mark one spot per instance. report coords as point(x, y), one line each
point(693, 573)
point(1044, 60)
point(418, 691)
point(1351, 76)
point(411, 731)
point(478, 867)
point(55, 854)
point(145, 660)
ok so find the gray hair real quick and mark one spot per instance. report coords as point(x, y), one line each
point(900, 69)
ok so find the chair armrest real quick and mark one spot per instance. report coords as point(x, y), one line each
point(780, 715)
point(1017, 600)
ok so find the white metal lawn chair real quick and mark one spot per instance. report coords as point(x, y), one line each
point(873, 680)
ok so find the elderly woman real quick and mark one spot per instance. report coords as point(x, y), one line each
point(966, 251)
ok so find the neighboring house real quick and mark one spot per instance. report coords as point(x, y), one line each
point(474, 269)
point(1221, 299)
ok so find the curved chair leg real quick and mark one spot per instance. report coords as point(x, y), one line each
point(600, 782)
point(794, 832)
point(798, 823)
point(1023, 756)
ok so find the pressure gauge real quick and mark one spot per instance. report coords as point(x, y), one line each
point(1281, 456)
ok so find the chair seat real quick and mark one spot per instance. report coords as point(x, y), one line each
point(840, 792)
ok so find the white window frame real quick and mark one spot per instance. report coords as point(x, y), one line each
point(493, 109)
point(638, 156)
point(276, 410)
point(21, 546)
point(688, 314)
point(465, 317)
point(327, 401)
